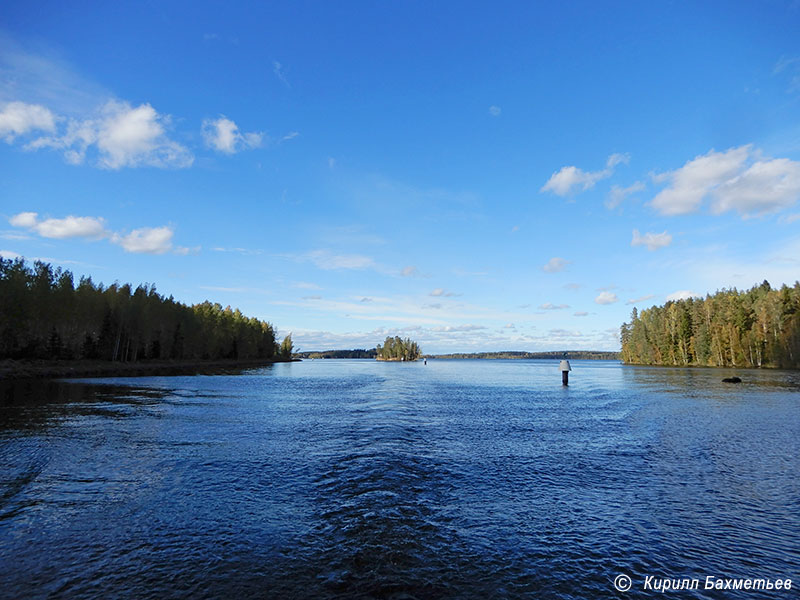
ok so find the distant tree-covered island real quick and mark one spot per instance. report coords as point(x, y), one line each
point(398, 349)
point(759, 327)
point(554, 354)
point(44, 315)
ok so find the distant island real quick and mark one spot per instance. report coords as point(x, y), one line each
point(554, 354)
point(510, 354)
point(46, 321)
point(398, 349)
point(759, 327)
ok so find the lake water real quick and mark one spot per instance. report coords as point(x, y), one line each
point(360, 479)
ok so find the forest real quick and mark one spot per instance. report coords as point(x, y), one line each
point(396, 348)
point(522, 355)
point(759, 327)
point(45, 315)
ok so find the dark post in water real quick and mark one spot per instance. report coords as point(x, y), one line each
point(565, 369)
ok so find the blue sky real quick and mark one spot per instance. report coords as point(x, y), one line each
point(474, 176)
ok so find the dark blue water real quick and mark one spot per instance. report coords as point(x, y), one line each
point(359, 479)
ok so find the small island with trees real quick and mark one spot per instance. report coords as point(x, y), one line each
point(398, 349)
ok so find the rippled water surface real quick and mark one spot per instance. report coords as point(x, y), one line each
point(359, 479)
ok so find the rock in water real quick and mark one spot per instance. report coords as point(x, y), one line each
point(732, 380)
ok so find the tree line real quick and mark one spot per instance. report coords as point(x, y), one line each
point(396, 348)
point(45, 315)
point(759, 327)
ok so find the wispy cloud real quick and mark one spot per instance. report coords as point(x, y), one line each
point(640, 299)
point(330, 261)
point(681, 295)
point(277, 69)
point(551, 306)
point(653, 241)
point(618, 194)
point(495, 110)
point(441, 292)
point(571, 179)
point(555, 265)
point(223, 135)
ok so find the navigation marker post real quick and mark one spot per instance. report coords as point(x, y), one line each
point(565, 369)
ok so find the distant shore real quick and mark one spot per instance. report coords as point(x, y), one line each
point(58, 369)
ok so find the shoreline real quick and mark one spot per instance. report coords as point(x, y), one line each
point(11, 370)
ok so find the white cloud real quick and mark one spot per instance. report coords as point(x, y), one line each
point(495, 111)
point(277, 68)
point(223, 135)
point(19, 118)
point(68, 227)
point(124, 136)
point(147, 240)
point(790, 218)
point(581, 313)
point(618, 194)
point(326, 260)
point(738, 179)
point(555, 264)
point(452, 328)
point(681, 295)
point(9, 255)
point(606, 298)
point(185, 251)
point(640, 299)
point(551, 306)
point(24, 219)
point(441, 292)
point(571, 178)
point(304, 285)
point(653, 241)
point(409, 271)
point(765, 187)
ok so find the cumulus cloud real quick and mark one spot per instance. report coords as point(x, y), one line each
point(223, 135)
point(20, 118)
point(555, 264)
point(653, 241)
point(739, 179)
point(606, 298)
point(681, 295)
point(68, 227)
point(570, 179)
point(123, 136)
point(147, 240)
point(618, 194)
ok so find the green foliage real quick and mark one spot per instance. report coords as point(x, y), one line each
point(756, 328)
point(286, 347)
point(395, 348)
point(44, 315)
point(357, 353)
